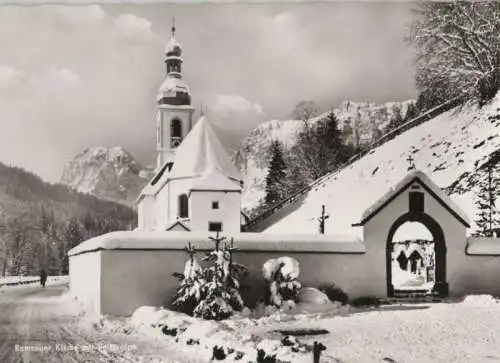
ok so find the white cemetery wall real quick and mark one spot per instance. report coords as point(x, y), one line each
point(133, 278)
point(85, 279)
point(135, 268)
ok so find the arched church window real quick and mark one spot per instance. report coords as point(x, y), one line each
point(183, 206)
point(175, 132)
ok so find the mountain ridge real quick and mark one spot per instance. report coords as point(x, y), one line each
point(108, 173)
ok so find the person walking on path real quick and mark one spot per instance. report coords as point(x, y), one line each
point(43, 277)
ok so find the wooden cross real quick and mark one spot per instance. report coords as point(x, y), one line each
point(190, 250)
point(411, 162)
point(322, 220)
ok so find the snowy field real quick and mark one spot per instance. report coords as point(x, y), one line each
point(467, 331)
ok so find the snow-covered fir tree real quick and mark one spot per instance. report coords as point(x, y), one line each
point(411, 112)
point(211, 292)
point(189, 291)
point(396, 119)
point(488, 216)
point(275, 175)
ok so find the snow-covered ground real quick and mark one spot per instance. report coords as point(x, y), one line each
point(467, 331)
point(444, 148)
point(405, 280)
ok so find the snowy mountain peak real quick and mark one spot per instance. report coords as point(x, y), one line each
point(109, 173)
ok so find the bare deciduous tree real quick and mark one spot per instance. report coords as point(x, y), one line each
point(458, 47)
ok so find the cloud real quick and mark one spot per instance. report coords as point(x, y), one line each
point(75, 77)
point(233, 110)
point(9, 74)
point(72, 77)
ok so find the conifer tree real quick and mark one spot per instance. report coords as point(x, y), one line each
point(411, 112)
point(319, 148)
point(488, 216)
point(275, 175)
point(213, 292)
point(220, 292)
point(188, 294)
point(396, 119)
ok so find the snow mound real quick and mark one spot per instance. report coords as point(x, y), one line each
point(310, 295)
point(148, 316)
point(480, 301)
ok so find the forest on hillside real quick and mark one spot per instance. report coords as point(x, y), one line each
point(41, 222)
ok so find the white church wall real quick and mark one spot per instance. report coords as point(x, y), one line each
point(85, 279)
point(146, 212)
point(228, 212)
point(167, 201)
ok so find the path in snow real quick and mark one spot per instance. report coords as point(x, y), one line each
point(34, 316)
point(445, 332)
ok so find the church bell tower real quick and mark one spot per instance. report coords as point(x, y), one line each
point(174, 118)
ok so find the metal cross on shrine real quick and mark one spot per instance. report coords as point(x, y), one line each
point(411, 162)
point(322, 220)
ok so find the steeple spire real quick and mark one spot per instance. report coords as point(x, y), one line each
point(173, 26)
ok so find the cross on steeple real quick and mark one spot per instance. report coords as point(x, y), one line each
point(411, 163)
point(173, 25)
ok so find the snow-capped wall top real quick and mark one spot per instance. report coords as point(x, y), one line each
point(202, 152)
point(109, 173)
point(150, 240)
point(483, 246)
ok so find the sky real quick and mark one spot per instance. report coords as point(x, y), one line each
point(74, 77)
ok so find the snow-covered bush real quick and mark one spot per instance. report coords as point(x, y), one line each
point(334, 293)
point(188, 294)
point(213, 292)
point(281, 280)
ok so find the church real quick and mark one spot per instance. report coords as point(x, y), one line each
point(196, 192)
point(196, 186)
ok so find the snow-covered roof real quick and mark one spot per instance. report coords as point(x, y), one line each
point(202, 152)
point(170, 87)
point(151, 240)
point(485, 246)
point(404, 184)
point(173, 46)
point(215, 180)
